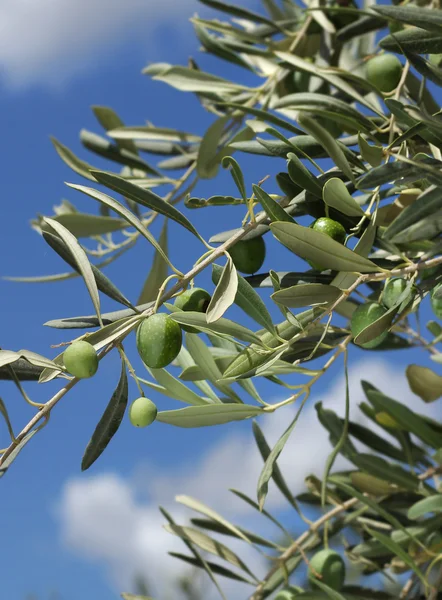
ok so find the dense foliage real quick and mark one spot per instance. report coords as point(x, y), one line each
point(345, 102)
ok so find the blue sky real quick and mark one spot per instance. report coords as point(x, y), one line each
point(85, 535)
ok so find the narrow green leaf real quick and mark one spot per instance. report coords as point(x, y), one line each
point(191, 80)
point(372, 154)
point(334, 80)
point(198, 506)
point(228, 162)
point(432, 504)
point(413, 39)
point(277, 476)
point(329, 592)
point(309, 294)
point(207, 163)
point(326, 140)
point(248, 300)
point(123, 212)
point(206, 543)
point(144, 197)
point(202, 357)
point(225, 292)
point(109, 422)
point(85, 225)
point(237, 11)
point(148, 132)
point(406, 418)
point(111, 151)
point(424, 382)
point(267, 471)
point(397, 551)
point(336, 195)
point(158, 272)
point(426, 18)
point(217, 569)
point(426, 205)
point(76, 164)
point(320, 248)
point(81, 260)
point(176, 388)
point(206, 416)
point(274, 211)
point(220, 326)
point(109, 120)
point(104, 284)
point(300, 175)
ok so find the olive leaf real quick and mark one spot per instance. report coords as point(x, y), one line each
point(309, 294)
point(81, 260)
point(248, 300)
point(320, 248)
point(109, 423)
point(336, 195)
point(225, 292)
point(144, 197)
point(158, 271)
point(109, 120)
point(205, 416)
point(274, 210)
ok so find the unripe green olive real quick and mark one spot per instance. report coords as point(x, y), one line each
point(81, 359)
point(248, 256)
point(142, 412)
point(333, 229)
point(384, 71)
point(330, 565)
point(196, 300)
point(436, 303)
point(365, 315)
point(392, 291)
point(159, 340)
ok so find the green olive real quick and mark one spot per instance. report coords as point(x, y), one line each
point(384, 71)
point(333, 229)
point(288, 593)
point(81, 359)
point(330, 565)
point(159, 340)
point(436, 303)
point(365, 315)
point(142, 412)
point(248, 256)
point(392, 291)
point(196, 300)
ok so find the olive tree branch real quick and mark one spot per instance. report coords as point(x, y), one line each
point(295, 547)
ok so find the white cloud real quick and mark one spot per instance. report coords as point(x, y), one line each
point(101, 518)
point(50, 41)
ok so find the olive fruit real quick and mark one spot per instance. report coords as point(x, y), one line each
point(365, 315)
point(331, 228)
point(81, 359)
point(142, 412)
point(159, 340)
point(392, 290)
point(196, 300)
point(436, 303)
point(330, 565)
point(384, 71)
point(248, 256)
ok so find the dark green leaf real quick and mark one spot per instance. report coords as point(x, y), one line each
point(158, 272)
point(274, 211)
point(413, 39)
point(248, 300)
point(109, 422)
point(426, 18)
point(320, 248)
point(144, 197)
